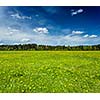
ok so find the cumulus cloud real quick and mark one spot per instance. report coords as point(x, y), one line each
point(25, 40)
point(22, 37)
point(40, 30)
point(90, 36)
point(86, 35)
point(16, 43)
point(18, 16)
point(77, 32)
point(75, 12)
point(80, 10)
point(93, 36)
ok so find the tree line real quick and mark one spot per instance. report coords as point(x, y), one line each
point(36, 47)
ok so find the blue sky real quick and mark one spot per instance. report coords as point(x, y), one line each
point(53, 25)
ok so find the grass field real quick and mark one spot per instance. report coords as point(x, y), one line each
point(49, 71)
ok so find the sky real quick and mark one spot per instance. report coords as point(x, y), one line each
point(50, 25)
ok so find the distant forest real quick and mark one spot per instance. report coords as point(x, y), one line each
point(31, 47)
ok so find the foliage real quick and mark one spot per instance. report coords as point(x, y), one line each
point(31, 47)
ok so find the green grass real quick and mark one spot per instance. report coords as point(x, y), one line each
point(49, 71)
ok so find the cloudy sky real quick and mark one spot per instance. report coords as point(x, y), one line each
point(53, 25)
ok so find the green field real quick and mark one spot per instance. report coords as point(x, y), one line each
point(49, 71)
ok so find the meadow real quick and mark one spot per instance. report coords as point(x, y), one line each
point(50, 71)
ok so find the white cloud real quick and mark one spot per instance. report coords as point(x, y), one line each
point(16, 43)
point(26, 17)
point(77, 32)
point(25, 40)
point(80, 10)
point(93, 36)
point(86, 35)
point(90, 36)
point(13, 37)
point(18, 16)
point(41, 30)
point(12, 29)
point(9, 33)
point(22, 37)
point(73, 12)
